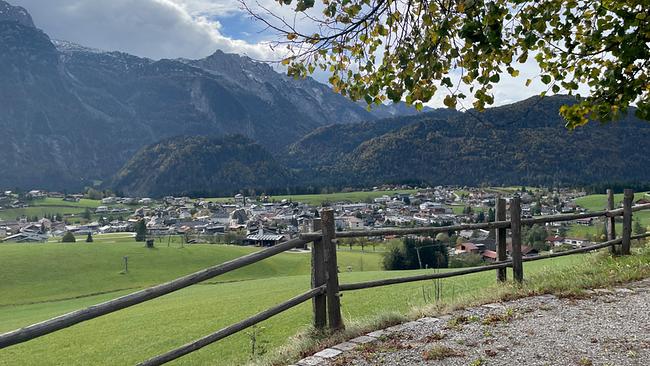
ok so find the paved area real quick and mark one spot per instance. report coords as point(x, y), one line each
point(608, 327)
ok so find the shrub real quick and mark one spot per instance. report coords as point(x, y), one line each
point(89, 238)
point(68, 237)
point(465, 260)
point(404, 255)
point(140, 231)
point(394, 258)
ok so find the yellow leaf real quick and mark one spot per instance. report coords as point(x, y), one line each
point(450, 101)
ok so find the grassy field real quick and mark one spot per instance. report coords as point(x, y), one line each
point(49, 272)
point(49, 206)
point(319, 199)
point(44, 280)
point(52, 206)
point(510, 190)
point(39, 211)
point(597, 202)
point(83, 203)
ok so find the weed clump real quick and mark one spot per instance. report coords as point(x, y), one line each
point(440, 352)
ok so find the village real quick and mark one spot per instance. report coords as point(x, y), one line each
point(264, 221)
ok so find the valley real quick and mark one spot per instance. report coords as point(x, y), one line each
point(177, 183)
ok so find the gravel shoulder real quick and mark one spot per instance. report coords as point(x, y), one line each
point(607, 327)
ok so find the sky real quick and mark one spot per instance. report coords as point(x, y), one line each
point(193, 29)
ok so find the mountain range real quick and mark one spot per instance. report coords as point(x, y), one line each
point(521, 143)
point(74, 116)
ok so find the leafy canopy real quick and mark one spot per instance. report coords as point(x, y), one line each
point(412, 49)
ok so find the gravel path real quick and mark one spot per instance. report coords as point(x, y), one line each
point(609, 327)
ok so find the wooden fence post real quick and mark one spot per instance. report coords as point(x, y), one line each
point(628, 197)
point(500, 215)
point(515, 233)
point(611, 221)
point(318, 278)
point(332, 277)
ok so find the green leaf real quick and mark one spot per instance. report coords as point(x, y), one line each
point(450, 101)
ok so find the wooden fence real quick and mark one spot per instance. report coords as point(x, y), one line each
point(326, 290)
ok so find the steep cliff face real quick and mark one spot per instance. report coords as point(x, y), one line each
point(45, 126)
point(311, 100)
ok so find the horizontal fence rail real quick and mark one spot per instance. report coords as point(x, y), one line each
point(641, 236)
point(424, 277)
point(422, 230)
point(585, 249)
point(325, 291)
point(635, 208)
point(489, 267)
point(75, 317)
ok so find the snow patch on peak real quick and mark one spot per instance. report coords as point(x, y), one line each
point(66, 46)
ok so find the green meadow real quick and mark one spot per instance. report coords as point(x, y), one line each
point(51, 206)
point(39, 281)
point(82, 203)
point(319, 199)
point(39, 211)
point(597, 202)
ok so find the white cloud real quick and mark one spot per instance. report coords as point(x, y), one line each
point(150, 28)
point(214, 8)
point(190, 29)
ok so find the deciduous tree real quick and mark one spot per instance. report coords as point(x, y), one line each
point(413, 49)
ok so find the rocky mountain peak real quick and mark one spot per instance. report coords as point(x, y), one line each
point(10, 13)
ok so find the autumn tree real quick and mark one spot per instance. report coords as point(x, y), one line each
point(412, 50)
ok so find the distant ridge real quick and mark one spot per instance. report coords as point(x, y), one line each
point(521, 143)
point(200, 166)
point(524, 143)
